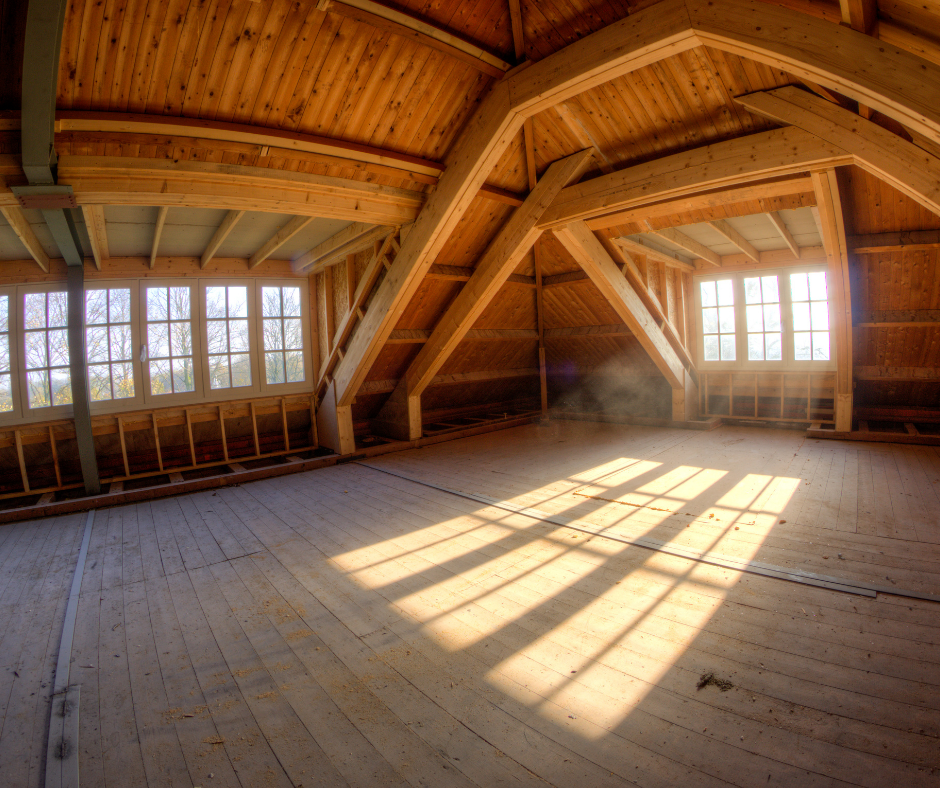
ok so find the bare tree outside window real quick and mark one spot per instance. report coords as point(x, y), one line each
point(170, 340)
point(283, 335)
point(227, 337)
point(6, 378)
point(46, 349)
point(109, 343)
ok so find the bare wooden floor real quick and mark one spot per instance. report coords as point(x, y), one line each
point(350, 627)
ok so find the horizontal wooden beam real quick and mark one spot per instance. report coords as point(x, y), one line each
point(898, 318)
point(386, 386)
point(912, 241)
point(639, 247)
point(587, 332)
point(722, 165)
point(401, 24)
point(413, 336)
point(565, 278)
point(898, 374)
point(117, 180)
point(801, 185)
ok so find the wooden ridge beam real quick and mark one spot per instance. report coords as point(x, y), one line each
point(724, 228)
point(276, 241)
point(588, 252)
point(409, 27)
point(638, 247)
point(412, 336)
point(350, 240)
point(721, 165)
point(14, 215)
point(781, 227)
point(402, 413)
point(219, 236)
point(588, 331)
point(562, 279)
point(683, 241)
point(97, 233)
point(157, 233)
point(120, 180)
point(902, 164)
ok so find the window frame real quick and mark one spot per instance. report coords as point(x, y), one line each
point(230, 393)
point(284, 388)
point(16, 413)
point(27, 414)
point(127, 403)
point(742, 363)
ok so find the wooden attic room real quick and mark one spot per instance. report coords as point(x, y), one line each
point(489, 393)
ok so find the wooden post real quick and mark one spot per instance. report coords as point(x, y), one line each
point(222, 427)
point(543, 375)
point(127, 466)
point(19, 453)
point(330, 326)
point(156, 440)
point(189, 434)
point(254, 428)
point(284, 424)
point(350, 280)
point(55, 457)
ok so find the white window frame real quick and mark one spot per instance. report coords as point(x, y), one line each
point(127, 403)
point(27, 414)
point(195, 322)
point(13, 330)
point(788, 364)
point(239, 392)
point(284, 388)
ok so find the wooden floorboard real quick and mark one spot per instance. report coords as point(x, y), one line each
point(358, 625)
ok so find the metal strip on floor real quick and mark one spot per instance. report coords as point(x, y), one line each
point(726, 562)
point(62, 745)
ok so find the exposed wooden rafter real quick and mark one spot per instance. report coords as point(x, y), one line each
point(639, 247)
point(219, 236)
point(724, 227)
point(781, 227)
point(683, 241)
point(157, 233)
point(97, 233)
point(281, 237)
point(14, 215)
point(332, 251)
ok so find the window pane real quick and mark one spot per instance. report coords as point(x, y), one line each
point(123, 378)
point(772, 317)
point(217, 336)
point(710, 321)
point(96, 343)
point(238, 334)
point(215, 302)
point(158, 345)
point(711, 348)
point(241, 370)
point(801, 346)
point(156, 303)
point(726, 319)
point(179, 303)
point(238, 302)
point(755, 317)
point(291, 301)
point(752, 291)
point(60, 381)
point(820, 346)
point(770, 290)
point(799, 289)
point(271, 302)
point(59, 348)
point(4, 313)
point(218, 372)
point(725, 292)
point(99, 381)
point(119, 305)
point(774, 347)
point(38, 385)
point(6, 393)
point(4, 353)
point(160, 377)
point(35, 345)
point(295, 366)
point(727, 348)
point(755, 347)
point(817, 286)
point(272, 335)
point(58, 310)
point(121, 345)
point(183, 378)
point(708, 294)
point(819, 312)
point(801, 317)
point(293, 334)
point(182, 334)
point(34, 310)
point(274, 367)
point(96, 307)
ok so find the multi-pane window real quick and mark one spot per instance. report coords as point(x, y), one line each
point(109, 344)
point(764, 320)
point(809, 297)
point(764, 331)
point(170, 340)
point(227, 336)
point(718, 320)
point(282, 330)
point(46, 349)
point(6, 378)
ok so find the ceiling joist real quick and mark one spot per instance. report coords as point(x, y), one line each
point(218, 238)
point(97, 234)
point(276, 241)
point(14, 215)
point(723, 227)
